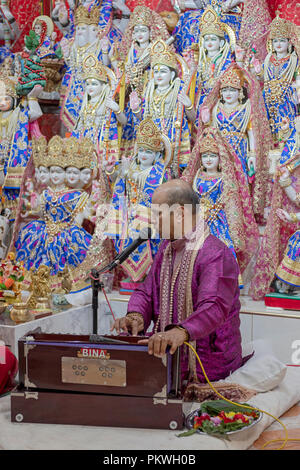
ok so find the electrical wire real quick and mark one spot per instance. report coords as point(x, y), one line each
point(285, 440)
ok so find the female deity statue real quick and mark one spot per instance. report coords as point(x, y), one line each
point(235, 106)
point(18, 118)
point(55, 237)
point(44, 30)
point(133, 188)
point(224, 199)
point(237, 14)
point(288, 271)
point(99, 114)
point(166, 102)
point(280, 74)
point(284, 197)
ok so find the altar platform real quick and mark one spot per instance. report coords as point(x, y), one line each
point(277, 327)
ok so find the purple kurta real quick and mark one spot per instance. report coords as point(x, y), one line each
point(215, 322)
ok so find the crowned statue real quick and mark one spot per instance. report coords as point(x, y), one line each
point(89, 38)
point(280, 74)
point(134, 184)
point(132, 55)
point(224, 199)
point(237, 14)
point(166, 102)
point(282, 221)
point(18, 121)
point(99, 114)
point(235, 106)
point(214, 53)
point(54, 235)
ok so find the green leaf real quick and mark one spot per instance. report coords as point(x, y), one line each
point(187, 433)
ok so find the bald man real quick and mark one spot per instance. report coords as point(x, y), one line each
point(191, 292)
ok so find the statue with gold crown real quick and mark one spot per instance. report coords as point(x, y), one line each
point(100, 114)
point(54, 235)
point(132, 55)
point(89, 38)
point(242, 16)
point(64, 17)
point(224, 199)
point(235, 106)
point(134, 184)
point(282, 221)
point(166, 102)
point(213, 54)
point(18, 121)
point(280, 74)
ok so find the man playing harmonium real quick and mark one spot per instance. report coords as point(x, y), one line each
point(191, 292)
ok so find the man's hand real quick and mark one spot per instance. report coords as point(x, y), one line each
point(130, 324)
point(157, 344)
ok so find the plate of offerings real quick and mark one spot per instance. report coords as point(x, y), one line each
point(220, 418)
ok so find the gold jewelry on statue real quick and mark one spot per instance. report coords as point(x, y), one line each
point(149, 136)
point(209, 144)
point(32, 98)
point(93, 68)
point(64, 152)
point(210, 23)
point(141, 15)
point(162, 54)
point(137, 110)
point(285, 183)
point(81, 16)
point(293, 216)
point(280, 28)
point(118, 112)
point(232, 78)
point(190, 107)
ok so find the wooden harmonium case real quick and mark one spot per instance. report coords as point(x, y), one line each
point(96, 381)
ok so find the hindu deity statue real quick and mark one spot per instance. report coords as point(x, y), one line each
point(132, 55)
point(64, 17)
point(9, 30)
point(224, 199)
point(99, 114)
point(166, 101)
point(238, 14)
point(18, 120)
point(235, 106)
point(288, 271)
point(90, 38)
point(43, 27)
point(134, 183)
point(283, 207)
point(54, 235)
point(213, 54)
point(280, 74)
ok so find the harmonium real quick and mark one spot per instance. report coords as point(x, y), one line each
point(96, 381)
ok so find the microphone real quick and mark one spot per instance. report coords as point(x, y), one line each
point(145, 234)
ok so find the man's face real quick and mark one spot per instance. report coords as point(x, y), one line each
point(167, 221)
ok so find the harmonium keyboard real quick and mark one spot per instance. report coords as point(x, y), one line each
point(96, 381)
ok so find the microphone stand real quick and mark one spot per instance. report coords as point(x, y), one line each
point(97, 286)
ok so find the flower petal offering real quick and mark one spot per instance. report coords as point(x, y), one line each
point(219, 418)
